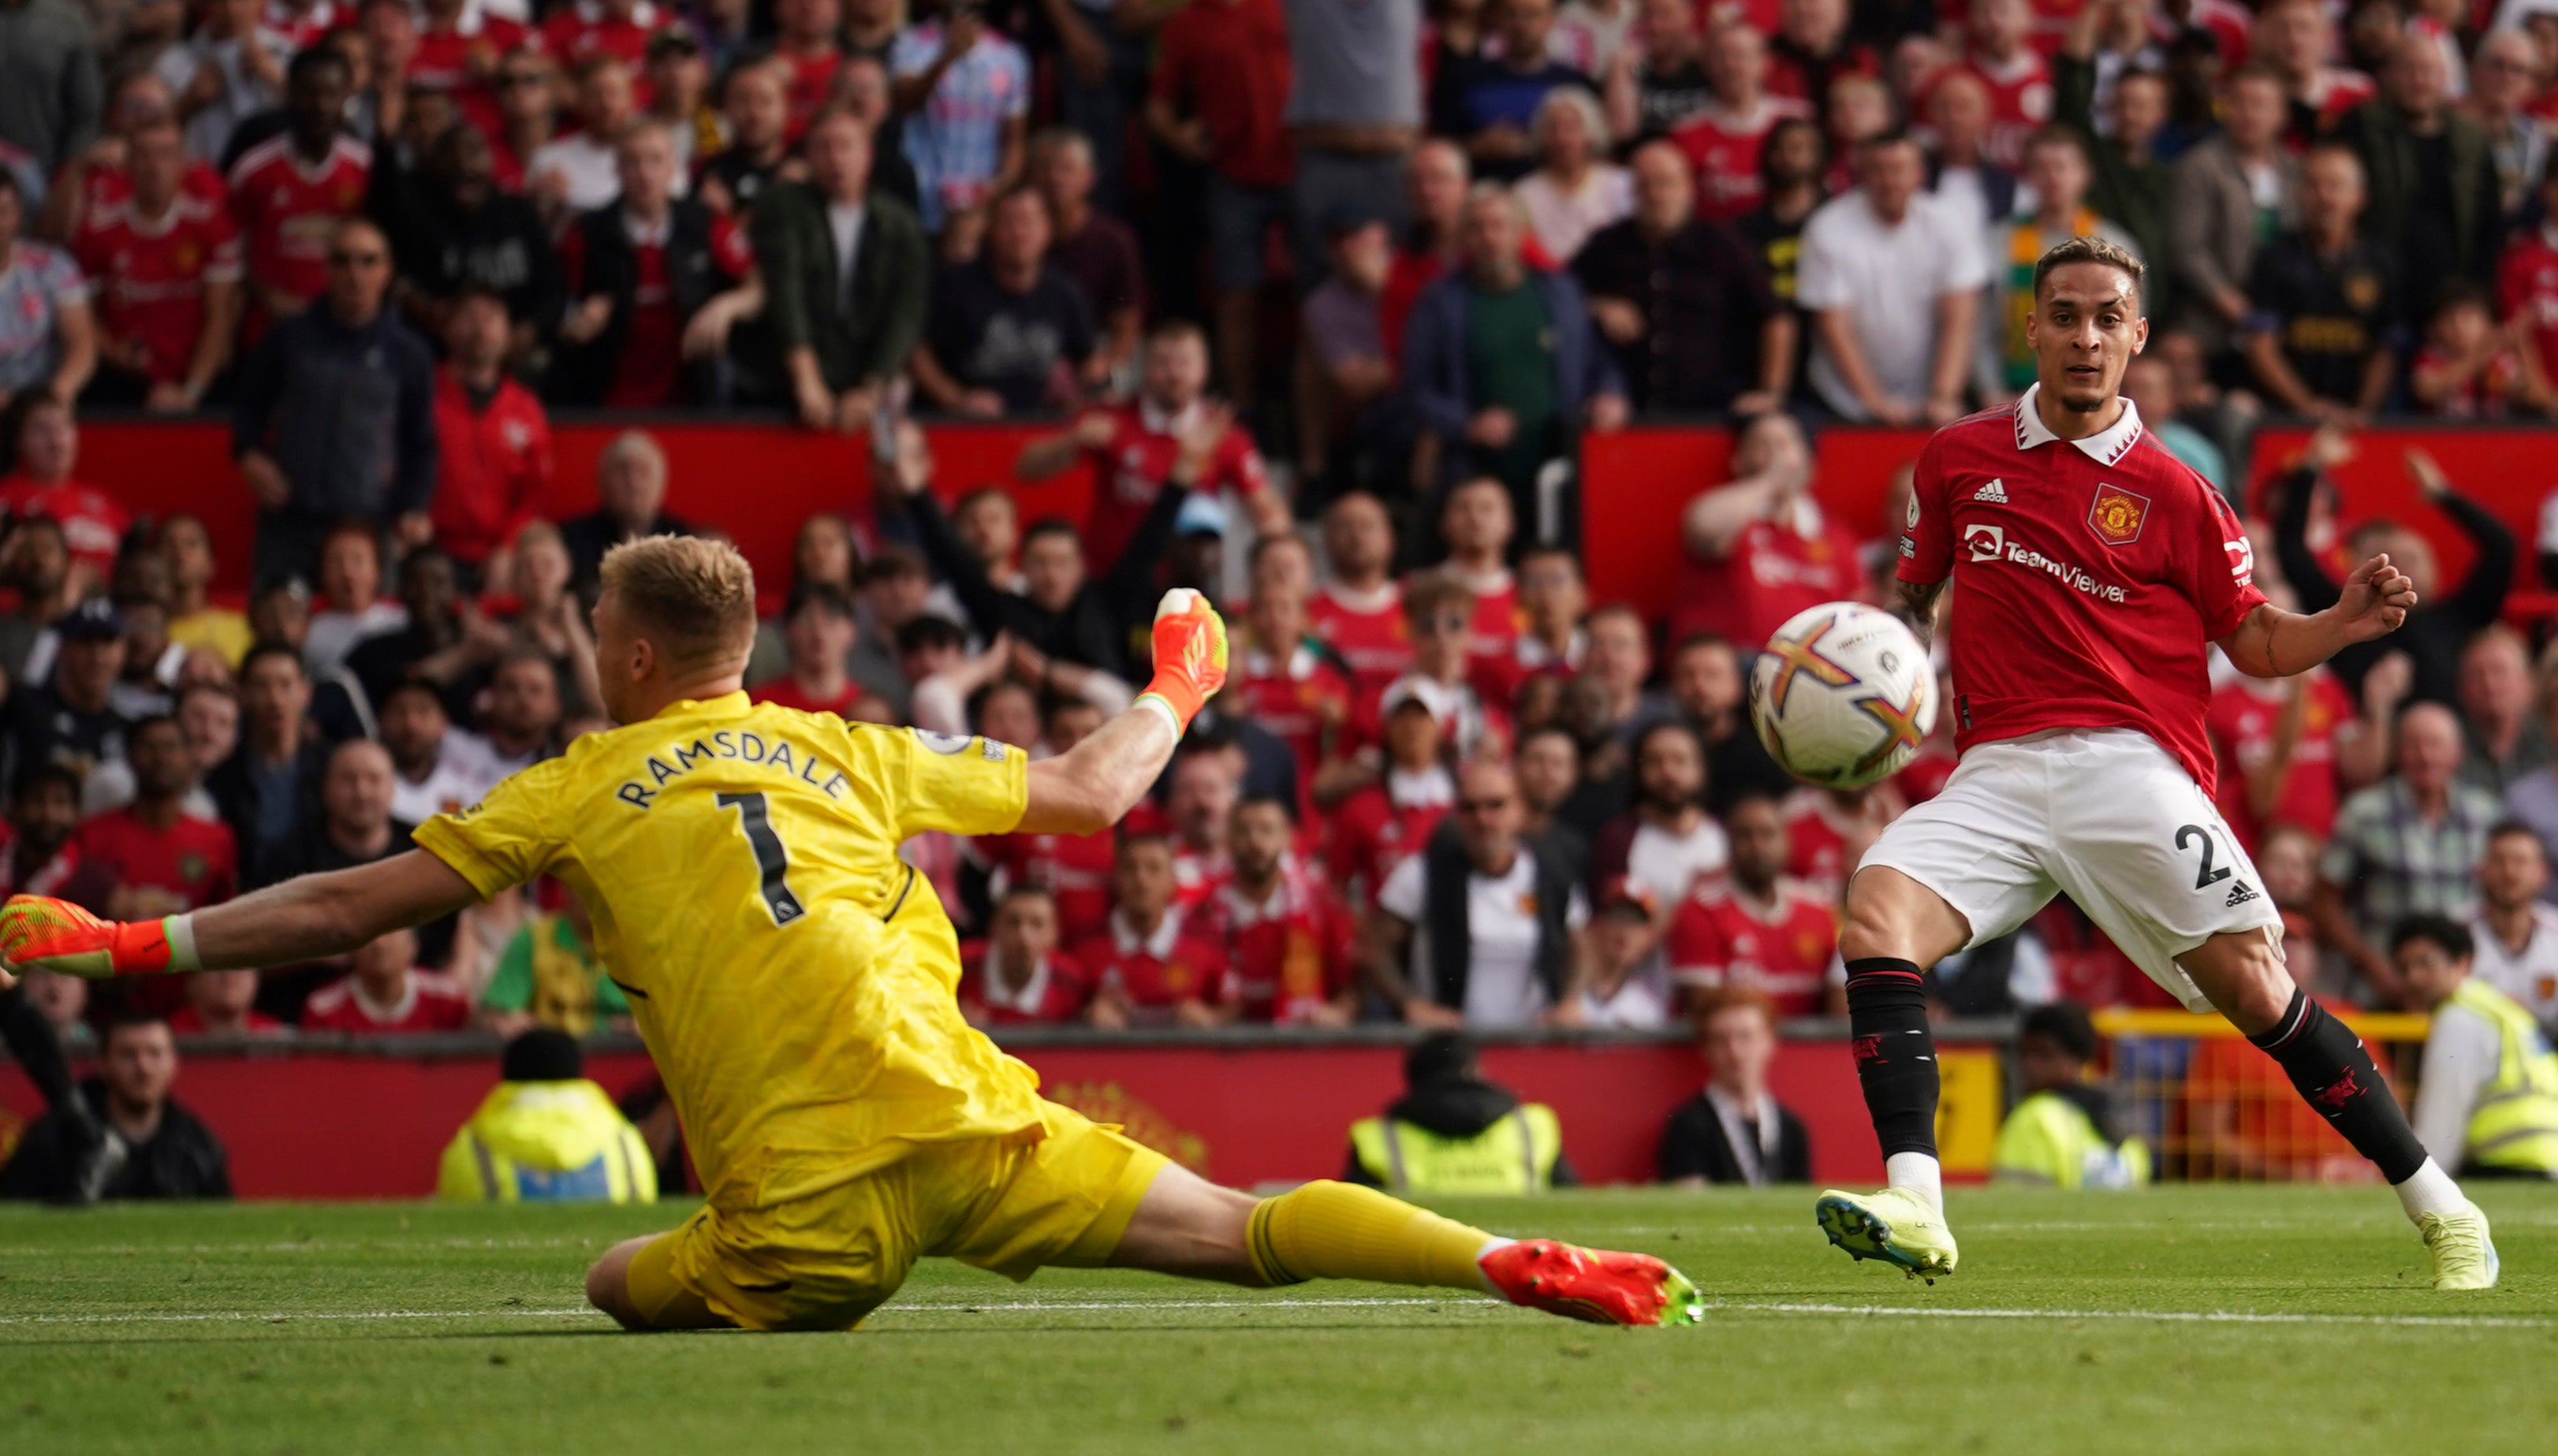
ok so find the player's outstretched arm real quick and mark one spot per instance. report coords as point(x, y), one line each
point(1089, 787)
point(2273, 644)
point(1915, 603)
point(303, 919)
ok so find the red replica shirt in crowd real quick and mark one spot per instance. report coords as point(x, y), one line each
point(1380, 826)
point(1056, 992)
point(1724, 149)
point(648, 373)
point(1824, 839)
point(1771, 571)
point(1368, 632)
point(2243, 720)
point(1301, 699)
point(787, 692)
point(433, 1002)
point(1156, 973)
point(1286, 955)
point(194, 858)
point(574, 32)
point(2526, 289)
point(1226, 61)
point(1491, 643)
point(2020, 104)
point(463, 61)
point(1198, 875)
point(1718, 937)
point(1788, 78)
point(304, 26)
point(1075, 867)
point(108, 185)
point(287, 208)
point(813, 80)
point(2089, 577)
point(185, 1022)
point(149, 276)
point(1129, 471)
point(491, 468)
point(94, 522)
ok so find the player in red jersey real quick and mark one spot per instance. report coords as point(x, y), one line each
point(1287, 940)
point(2094, 569)
point(1761, 549)
point(162, 861)
point(164, 265)
point(386, 993)
point(290, 192)
point(1149, 967)
point(2002, 55)
point(1016, 978)
point(1359, 612)
point(1131, 448)
point(1723, 141)
point(1757, 927)
point(1380, 826)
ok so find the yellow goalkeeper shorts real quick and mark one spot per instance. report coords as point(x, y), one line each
point(1011, 1205)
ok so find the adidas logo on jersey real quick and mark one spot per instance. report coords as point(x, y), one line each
point(2239, 894)
point(1993, 493)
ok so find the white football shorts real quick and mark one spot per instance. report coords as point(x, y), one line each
point(2103, 815)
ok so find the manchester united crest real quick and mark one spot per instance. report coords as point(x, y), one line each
point(2117, 515)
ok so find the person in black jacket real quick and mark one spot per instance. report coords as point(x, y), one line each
point(1060, 612)
point(270, 786)
point(156, 1148)
point(2443, 622)
point(453, 227)
point(1734, 1133)
point(1446, 1094)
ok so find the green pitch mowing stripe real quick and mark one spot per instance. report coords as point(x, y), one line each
point(2193, 1320)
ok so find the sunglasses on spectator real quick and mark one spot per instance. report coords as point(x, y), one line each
point(1482, 806)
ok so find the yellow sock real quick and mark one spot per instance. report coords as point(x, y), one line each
point(1339, 1230)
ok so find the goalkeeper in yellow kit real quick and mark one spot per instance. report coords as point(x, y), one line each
point(794, 981)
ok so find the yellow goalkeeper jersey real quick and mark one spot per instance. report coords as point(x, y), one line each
point(794, 980)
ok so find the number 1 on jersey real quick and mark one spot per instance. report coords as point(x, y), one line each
point(769, 858)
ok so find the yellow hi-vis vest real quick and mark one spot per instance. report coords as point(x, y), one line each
point(2515, 1123)
point(548, 1143)
point(1515, 1154)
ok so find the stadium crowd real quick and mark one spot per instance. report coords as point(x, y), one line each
point(1452, 782)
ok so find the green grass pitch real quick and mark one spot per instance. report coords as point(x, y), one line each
point(2178, 1320)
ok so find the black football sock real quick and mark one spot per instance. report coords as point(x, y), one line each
point(2334, 1072)
point(1895, 1056)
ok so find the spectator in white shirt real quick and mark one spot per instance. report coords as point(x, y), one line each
point(2517, 934)
point(352, 610)
point(581, 172)
point(1892, 280)
point(1575, 189)
point(434, 770)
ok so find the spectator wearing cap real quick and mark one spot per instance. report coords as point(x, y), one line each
point(1089, 248)
point(1673, 294)
point(1625, 988)
point(455, 230)
point(1503, 364)
point(334, 416)
point(964, 89)
point(1487, 102)
point(1391, 816)
point(630, 487)
point(1892, 280)
point(156, 1148)
point(1735, 1134)
point(2486, 1098)
point(2060, 1134)
point(1346, 399)
point(386, 993)
point(41, 485)
point(1221, 87)
point(1482, 927)
point(846, 283)
point(68, 718)
point(1017, 976)
point(270, 786)
point(1453, 1132)
point(493, 439)
point(47, 335)
point(1007, 335)
point(547, 1134)
point(654, 285)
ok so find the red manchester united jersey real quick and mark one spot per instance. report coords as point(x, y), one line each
point(2526, 287)
point(1154, 973)
point(1304, 700)
point(1056, 990)
point(1725, 149)
point(194, 860)
point(150, 273)
point(2245, 719)
point(1129, 471)
point(1771, 571)
point(1284, 956)
point(1369, 631)
point(1075, 867)
point(1380, 826)
point(2089, 576)
point(288, 208)
point(1720, 937)
point(432, 1001)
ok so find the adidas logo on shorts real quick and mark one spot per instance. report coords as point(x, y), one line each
point(1993, 493)
point(2239, 894)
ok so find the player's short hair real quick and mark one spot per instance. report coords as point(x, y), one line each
point(2064, 1025)
point(2100, 250)
point(2444, 931)
point(693, 596)
point(1733, 998)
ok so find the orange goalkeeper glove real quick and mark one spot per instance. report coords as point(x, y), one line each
point(37, 933)
point(1190, 656)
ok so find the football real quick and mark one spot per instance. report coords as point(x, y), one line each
point(1843, 694)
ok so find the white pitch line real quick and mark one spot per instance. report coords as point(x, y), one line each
point(2160, 1316)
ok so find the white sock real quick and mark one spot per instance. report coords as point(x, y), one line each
point(1917, 1173)
point(1489, 1245)
point(2430, 1190)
